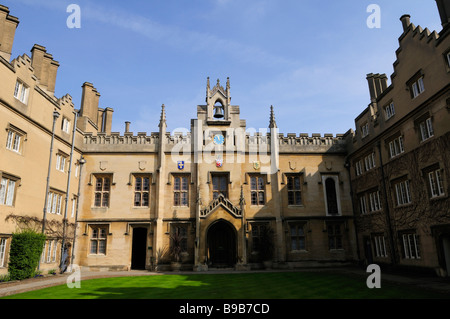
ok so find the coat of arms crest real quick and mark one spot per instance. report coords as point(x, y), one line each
point(219, 162)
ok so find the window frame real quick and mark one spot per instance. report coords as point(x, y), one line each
point(299, 238)
point(61, 162)
point(21, 91)
point(65, 125)
point(74, 205)
point(426, 129)
point(363, 207)
point(95, 235)
point(389, 110)
point(380, 246)
point(369, 162)
point(417, 87)
point(12, 133)
point(335, 178)
point(411, 245)
point(8, 196)
point(216, 192)
point(294, 189)
point(3, 244)
point(402, 192)
point(260, 188)
point(100, 194)
point(435, 181)
point(49, 251)
point(54, 202)
point(396, 146)
point(180, 192)
point(374, 201)
point(335, 239)
point(358, 167)
point(256, 235)
point(141, 191)
point(365, 130)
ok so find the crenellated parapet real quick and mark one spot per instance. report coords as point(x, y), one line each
point(66, 100)
point(289, 143)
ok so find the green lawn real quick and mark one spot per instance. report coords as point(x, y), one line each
point(276, 285)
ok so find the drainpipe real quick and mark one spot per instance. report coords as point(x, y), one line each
point(82, 161)
point(358, 252)
point(55, 117)
point(386, 208)
point(61, 264)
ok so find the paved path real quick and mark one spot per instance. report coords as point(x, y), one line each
point(437, 284)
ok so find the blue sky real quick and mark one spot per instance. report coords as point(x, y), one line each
point(309, 59)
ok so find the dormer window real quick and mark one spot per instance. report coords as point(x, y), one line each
point(389, 110)
point(65, 125)
point(21, 92)
point(365, 130)
point(417, 87)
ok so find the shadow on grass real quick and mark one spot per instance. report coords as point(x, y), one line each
point(281, 285)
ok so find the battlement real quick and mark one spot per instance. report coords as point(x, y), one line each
point(25, 61)
point(116, 139)
point(291, 142)
point(66, 100)
point(315, 139)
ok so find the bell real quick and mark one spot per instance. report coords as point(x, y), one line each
point(218, 112)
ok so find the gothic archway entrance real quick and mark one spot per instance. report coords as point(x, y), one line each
point(221, 240)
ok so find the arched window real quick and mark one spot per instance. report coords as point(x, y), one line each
point(330, 189)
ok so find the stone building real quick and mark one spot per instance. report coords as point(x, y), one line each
point(122, 201)
point(218, 185)
point(33, 120)
point(400, 155)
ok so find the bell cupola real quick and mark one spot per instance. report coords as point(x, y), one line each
point(218, 101)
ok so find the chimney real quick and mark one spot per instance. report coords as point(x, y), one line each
point(8, 26)
point(100, 120)
point(383, 82)
point(444, 12)
point(377, 84)
point(89, 102)
point(108, 120)
point(127, 127)
point(405, 19)
point(372, 90)
point(45, 68)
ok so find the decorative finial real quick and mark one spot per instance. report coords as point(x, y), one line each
point(242, 199)
point(207, 88)
point(228, 83)
point(163, 115)
point(272, 123)
point(199, 199)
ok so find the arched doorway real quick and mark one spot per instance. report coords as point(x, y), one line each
point(221, 240)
